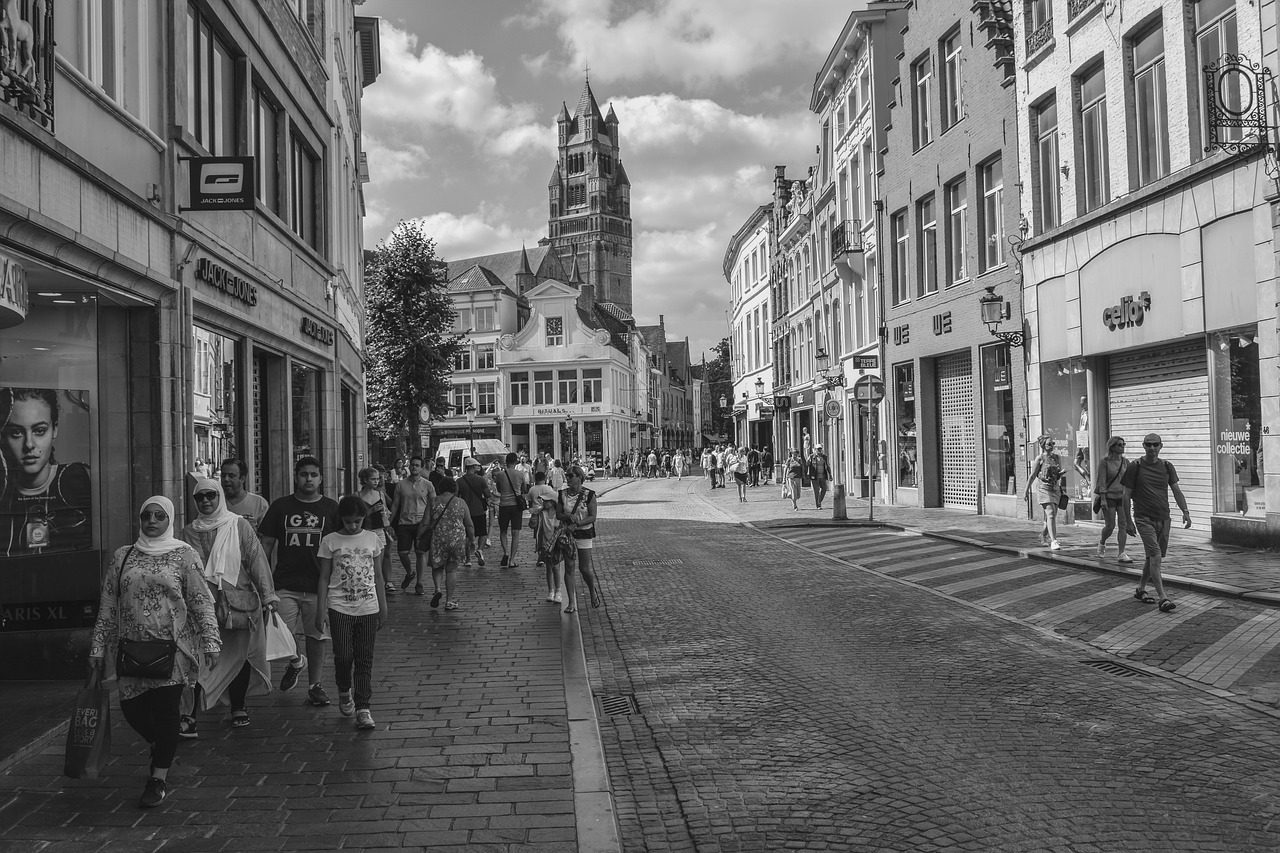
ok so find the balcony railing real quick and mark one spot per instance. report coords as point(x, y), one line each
point(1039, 37)
point(1076, 8)
point(846, 239)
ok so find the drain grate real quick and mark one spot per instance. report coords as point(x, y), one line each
point(618, 706)
point(1113, 668)
point(650, 564)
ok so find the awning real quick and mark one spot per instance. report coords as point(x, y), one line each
point(711, 438)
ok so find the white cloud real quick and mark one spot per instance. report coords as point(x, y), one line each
point(480, 233)
point(390, 166)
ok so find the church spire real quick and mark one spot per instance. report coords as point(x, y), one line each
point(587, 105)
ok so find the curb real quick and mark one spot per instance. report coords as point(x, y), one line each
point(593, 806)
point(37, 745)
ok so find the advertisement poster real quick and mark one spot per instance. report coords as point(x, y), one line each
point(46, 502)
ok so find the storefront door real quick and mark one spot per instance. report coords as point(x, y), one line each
point(958, 435)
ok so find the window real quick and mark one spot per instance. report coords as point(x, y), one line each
point(486, 398)
point(864, 88)
point(927, 246)
point(462, 359)
point(568, 387)
point(211, 87)
point(952, 103)
point(1237, 423)
point(543, 388)
point(303, 172)
point(520, 388)
point(1048, 192)
point(265, 138)
point(486, 319)
point(305, 410)
point(991, 218)
point(957, 212)
point(837, 346)
point(461, 400)
point(203, 366)
point(904, 392)
point(853, 212)
point(1151, 106)
point(997, 413)
point(592, 385)
point(462, 320)
point(1093, 140)
point(868, 183)
point(921, 80)
point(485, 357)
point(111, 51)
point(898, 225)
point(555, 331)
point(1215, 36)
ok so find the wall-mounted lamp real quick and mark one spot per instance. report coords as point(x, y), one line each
point(831, 376)
point(760, 388)
point(994, 311)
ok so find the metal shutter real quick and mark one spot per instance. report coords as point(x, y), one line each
point(1166, 390)
point(959, 438)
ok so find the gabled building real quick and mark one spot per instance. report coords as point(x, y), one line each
point(747, 262)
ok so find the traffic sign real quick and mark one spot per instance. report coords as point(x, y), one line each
point(869, 390)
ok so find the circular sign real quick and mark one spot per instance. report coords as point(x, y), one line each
point(13, 293)
point(424, 413)
point(869, 389)
point(832, 408)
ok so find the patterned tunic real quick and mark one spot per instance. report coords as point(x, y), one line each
point(161, 597)
point(449, 536)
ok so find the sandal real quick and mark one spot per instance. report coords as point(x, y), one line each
point(239, 719)
point(1143, 596)
point(187, 727)
point(1166, 605)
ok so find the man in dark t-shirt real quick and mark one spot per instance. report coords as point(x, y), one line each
point(1147, 483)
point(291, 532)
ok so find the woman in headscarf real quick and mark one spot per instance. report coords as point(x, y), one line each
point(155, 590)
point(236, 569)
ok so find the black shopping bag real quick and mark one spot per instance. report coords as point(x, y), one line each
point(89, 735)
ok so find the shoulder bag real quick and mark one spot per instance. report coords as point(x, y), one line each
point(521, 503)
point(1098, 496)
point(582, 533)
point(235, 608)
point(151, 659)
point(424, 540)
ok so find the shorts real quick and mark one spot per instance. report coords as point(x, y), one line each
point(405, 536)
point(1114, 503)
point(508, 516)
point(447, 555)
point(298, 610)
point(481, 523)
point(1155, 535)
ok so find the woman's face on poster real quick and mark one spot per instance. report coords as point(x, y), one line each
point(27, 438)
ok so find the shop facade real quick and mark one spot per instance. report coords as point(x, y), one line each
point(1160, 318)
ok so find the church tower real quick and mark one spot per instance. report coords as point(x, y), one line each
point(590, 201)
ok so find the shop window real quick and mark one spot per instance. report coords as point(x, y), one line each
point(592, 382)
point(215, 411)
point(306, 411)
point(486, 398)
point(568, 386)
point(1065, 416)
point(904, 390)
point(1237, 424)
point(997, 414)
point(543, 388)
point(520, 389)
point(211, 87)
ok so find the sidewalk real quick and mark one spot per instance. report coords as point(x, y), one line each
point(1193, 561)
point(486, 739)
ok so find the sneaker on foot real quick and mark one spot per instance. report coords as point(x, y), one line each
point(364, 719)
point(551, 596)
point(291, 672)
point(390, 587)
point(153, 794)
point(1054, 545)
point(408, 579)
point(1102, 551)
point(451, 605)
point(505, 558)
point(467, 564)
point(346, 703)
point(557, 597)
point(480, 559)
point(1124, 558)
point(419, 590)
point(187, 727)
point(435, 599)
point(316, 695)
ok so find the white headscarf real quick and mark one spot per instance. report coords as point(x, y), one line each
point(165, 542)
point(223, 563)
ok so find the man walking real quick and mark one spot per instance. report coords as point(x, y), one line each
point(241, 501)
point(753, 460)
point(411, 507)
point(512, 486)
point(291, 532)
point(473, 488)
point(1147, 483)
point(766, 464)
point(819, 474)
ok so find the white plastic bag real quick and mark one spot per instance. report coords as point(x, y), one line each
point(280, 642)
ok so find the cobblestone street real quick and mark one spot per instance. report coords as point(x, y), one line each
point(937, 699)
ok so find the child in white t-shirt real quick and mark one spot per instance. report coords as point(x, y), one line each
point(542, 521)
point(351, 605)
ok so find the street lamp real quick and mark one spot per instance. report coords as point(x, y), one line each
point(994, 311)
point(568, 426)
point(831, 376)
point(760, 388)
point(470, 412)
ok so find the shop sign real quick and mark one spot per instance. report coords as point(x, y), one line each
point(1129, 313)
point(764, 411)
point(559, 412)
point(782, 401)
point(1000, 380)
point(45, 615)
point(225, 280)
point(13, 292)
point(866, 362)
point(221, 183)
point(942, 323)
point(902, 334)
point(314, 330)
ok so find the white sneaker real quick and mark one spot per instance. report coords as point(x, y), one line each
point(1102, 551)
point(551, 596)
point(346, 703)
point(364, 719)
point(1124, 558)
point(556, 597)
point(1054, 546)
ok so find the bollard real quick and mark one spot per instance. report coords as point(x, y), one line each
point(838, 511)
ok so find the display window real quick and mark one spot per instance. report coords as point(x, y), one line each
point(904, 396)
point(1237, 423)
point(997, 419)
point(305, 414)
point(216, 399)
point(1065, 417)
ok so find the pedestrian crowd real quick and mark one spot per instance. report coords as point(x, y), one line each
point(191, 619)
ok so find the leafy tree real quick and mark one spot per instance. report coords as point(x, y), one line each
point(410, 344)
point(720, 382)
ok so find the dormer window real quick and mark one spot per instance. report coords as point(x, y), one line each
point(555, 331)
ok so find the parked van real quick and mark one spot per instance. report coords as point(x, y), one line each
point(455, 450)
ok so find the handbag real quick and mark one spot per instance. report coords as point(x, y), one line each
point(235, 608)
point(143, 658)
point(521, 503)
point(1063, 501)
point(280, 642)
point(1097, 497)
point(423, 543)
point(89, 734)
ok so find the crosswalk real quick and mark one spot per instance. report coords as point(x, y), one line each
point(1209, 639)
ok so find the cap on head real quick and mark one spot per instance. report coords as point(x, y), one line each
point(470, 462)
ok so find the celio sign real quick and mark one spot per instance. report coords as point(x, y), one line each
point(1131, 311)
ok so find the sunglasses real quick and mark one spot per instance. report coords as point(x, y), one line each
point(158, 516)
point(206, 496)
point(1153, 444)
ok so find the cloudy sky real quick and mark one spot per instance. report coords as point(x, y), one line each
point(710, 95)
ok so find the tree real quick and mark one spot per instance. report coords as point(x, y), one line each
point(720, 382)
point(410, 344)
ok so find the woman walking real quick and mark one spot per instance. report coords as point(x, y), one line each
point(155, 590)
point(452, 536)
point(741, 467)
point(1047, 476)
point(576, 509)
point(795, 475)
point(377, 519)
point(236, 569)
point(1110, 493)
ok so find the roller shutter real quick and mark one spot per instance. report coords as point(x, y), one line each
point(959, 437)
point(1166, 390)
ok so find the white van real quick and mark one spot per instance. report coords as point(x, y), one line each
point(455, 450)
